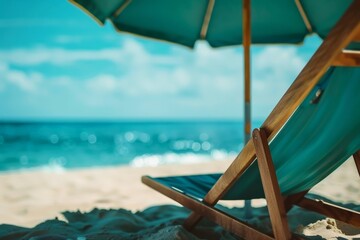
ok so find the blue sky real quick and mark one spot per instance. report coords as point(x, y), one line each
point(58, 63)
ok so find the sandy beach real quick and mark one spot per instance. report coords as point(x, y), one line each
point(31, 197)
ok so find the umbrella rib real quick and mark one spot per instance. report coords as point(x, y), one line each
point(121, 8)
point(303, 15)
point(87, 12)
point(205, 25)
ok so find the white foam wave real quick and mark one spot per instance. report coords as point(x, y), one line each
point(185, 158)
point(51, 167)
point(55, 165)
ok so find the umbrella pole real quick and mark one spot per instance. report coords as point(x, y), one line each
point(247, 107)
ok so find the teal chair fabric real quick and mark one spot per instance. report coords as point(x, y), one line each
point(321, 134)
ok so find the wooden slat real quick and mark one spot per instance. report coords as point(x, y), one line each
point(271, 187)
point(291, 200)
point(331, 210)
point(338, 38)
point(228, 222)
point(348, 58)
point(357, 160)
point(357, 37)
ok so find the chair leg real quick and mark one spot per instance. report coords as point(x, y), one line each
point(271, 186)
point(192, 220)
point(357, 160)
point(291, 200)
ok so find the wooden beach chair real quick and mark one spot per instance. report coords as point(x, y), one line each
point(313, 129)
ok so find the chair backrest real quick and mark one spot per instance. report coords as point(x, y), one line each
point(321, 134)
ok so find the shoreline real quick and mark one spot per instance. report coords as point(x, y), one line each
point(31, 197)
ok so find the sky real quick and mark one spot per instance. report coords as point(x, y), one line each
point(57, 63)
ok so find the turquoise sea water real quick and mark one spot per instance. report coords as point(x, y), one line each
point(56, 145)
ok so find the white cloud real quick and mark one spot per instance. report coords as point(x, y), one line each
point(201, 82)
point(24, 22)
point(135, 84)
point(211, 80)
point(3, 69)
point(103, 84)
point(274, 69)
point(65, 39)
point(277, 63)
point(56, 56)
point(62, 81)
point(131, 52)
point(71, 39)
point(27, 82)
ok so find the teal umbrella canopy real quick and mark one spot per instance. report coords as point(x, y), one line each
point(219, 22)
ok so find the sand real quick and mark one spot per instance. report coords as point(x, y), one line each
point(29, 198)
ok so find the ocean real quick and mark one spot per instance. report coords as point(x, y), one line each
point(66, 145)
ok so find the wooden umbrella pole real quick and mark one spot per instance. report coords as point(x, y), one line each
point(246, 13)
point(247, 77)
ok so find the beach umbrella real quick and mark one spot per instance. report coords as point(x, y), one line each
point(220, 23)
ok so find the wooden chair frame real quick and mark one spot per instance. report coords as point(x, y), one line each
point(277, 205)
point(330, 53)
